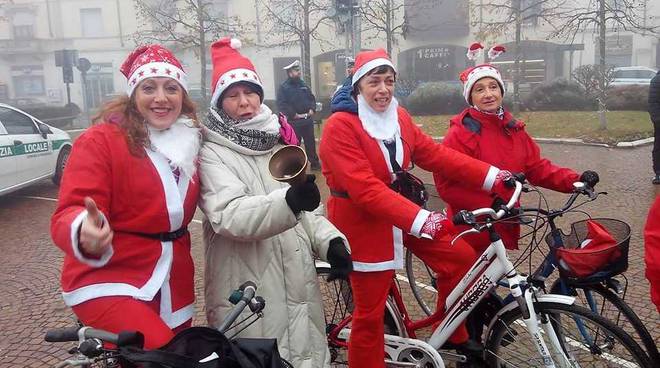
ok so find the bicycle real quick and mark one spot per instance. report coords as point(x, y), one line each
point(598, 292)
point(532, 330)
point(93, 348)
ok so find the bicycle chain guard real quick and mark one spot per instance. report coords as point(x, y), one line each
point(407, 352)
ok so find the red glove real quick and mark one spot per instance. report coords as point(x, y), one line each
point(434, 224)
point(500, 187)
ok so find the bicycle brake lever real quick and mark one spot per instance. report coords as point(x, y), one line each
point(468, 231)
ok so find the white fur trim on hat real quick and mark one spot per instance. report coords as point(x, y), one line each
point(231, 77)
point(235, 43)
point(371, 64)
point(481, 71)
point(156, 69)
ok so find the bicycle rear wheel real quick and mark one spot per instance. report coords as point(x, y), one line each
point(603, 301)
point(598, 343)
point(422, 282)
point(337, 308)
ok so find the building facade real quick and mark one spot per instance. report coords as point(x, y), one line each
point(428, 40)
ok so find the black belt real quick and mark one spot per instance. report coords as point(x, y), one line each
point(339, 194)
point(176, 234)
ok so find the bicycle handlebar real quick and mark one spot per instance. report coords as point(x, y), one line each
point(79, 334)
point(465, 217)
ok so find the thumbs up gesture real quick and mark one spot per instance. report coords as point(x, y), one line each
point(95, 232)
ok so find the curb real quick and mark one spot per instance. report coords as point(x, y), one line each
point(580, 142)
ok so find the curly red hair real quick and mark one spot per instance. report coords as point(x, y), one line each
point(123, 112)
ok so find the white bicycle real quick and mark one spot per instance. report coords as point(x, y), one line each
point(534, 330)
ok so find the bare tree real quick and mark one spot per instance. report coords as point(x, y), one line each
point(189, 24)
point(295, 22)
point(601, 16)
point(505, 16)
point(383, 18)
point(387, 18)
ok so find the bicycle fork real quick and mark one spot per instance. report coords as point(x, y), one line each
point(531, 320)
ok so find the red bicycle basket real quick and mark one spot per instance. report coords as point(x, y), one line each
point(591, 264)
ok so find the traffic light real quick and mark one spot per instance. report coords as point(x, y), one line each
point(67, 74)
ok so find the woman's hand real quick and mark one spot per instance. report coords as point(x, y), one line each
point(95, 233)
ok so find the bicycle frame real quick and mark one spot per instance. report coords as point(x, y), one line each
point(482, 277)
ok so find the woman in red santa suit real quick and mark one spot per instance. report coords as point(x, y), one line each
point(652, 251)
point(488, 132)
point(360, 154)
point(129, 190)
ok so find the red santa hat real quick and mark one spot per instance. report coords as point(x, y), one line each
point(152, 61)
point(471, 75)
point(230, 67)
point(365, 61)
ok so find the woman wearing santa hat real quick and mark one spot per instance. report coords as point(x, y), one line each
point(365, 157)
point(257, 228)
point(129, 190)
point(486, 131)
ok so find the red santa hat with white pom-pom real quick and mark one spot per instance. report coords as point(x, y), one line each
point(150, 61)
point(230, 67)
point(471, 75)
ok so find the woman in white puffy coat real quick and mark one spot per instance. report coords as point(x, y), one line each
point(256, 228)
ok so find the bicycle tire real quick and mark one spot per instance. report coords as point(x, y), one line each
point(421, 278)
point(337, 305)
point(619, 313)
point(508, 339)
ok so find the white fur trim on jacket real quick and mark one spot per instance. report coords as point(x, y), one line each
point(490, 178)
point(75, 228)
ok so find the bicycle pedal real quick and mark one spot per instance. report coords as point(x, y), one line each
point(452, 357)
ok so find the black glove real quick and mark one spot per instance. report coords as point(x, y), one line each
point(340, 260)
point(304, 196)
point(590, 178)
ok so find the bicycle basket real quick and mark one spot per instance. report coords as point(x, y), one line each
point(588, 265)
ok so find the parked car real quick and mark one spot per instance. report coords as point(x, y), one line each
point(629, 75)
point(29, 150)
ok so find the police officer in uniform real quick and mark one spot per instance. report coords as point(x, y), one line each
point(296, 101)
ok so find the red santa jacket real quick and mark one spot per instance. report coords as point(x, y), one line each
point(503, 143)
point(136, 195)
point(373, 217)
point(652, 251)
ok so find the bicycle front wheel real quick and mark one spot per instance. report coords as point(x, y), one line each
point(587, 339)
point(601, 300)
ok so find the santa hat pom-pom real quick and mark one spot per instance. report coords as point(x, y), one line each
point(464, 74)
point(474, 50)
point(235, 43)
point(495, 52)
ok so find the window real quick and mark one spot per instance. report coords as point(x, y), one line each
point(91, 21)
point(531, 9)
point(23, 32)
point(28, 85)
point(17, 123)
point(22, 23)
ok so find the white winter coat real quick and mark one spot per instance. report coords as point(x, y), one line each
point(250, 233)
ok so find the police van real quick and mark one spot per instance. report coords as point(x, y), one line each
point(29, 150)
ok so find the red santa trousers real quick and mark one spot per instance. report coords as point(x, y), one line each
point(123, 313)
point(366, 346)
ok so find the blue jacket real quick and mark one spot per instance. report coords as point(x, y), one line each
point(342, 100)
